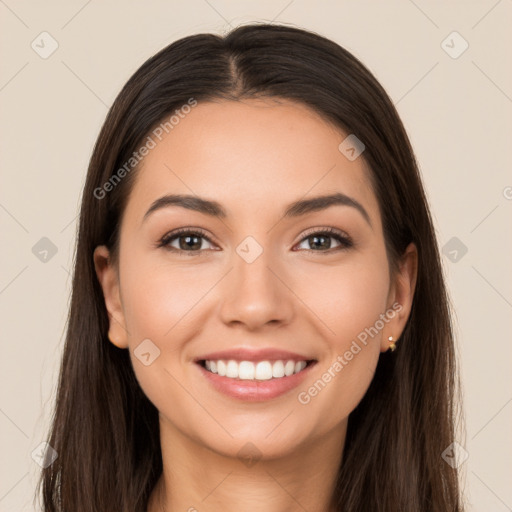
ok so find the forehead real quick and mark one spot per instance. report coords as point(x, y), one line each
point(249, 155)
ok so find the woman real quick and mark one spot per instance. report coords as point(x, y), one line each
point(259, 319)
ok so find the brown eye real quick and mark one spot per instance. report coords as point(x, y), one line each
point(184, 240)
point(321, 241)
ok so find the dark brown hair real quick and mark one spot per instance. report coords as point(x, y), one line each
point(106, 431)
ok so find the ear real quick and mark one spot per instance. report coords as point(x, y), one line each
point(109, 280)
point(401, 296)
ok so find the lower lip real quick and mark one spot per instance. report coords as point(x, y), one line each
point(255, 390)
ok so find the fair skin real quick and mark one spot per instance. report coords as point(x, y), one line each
point(254, 157)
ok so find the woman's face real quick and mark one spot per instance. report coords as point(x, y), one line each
point(255, 281)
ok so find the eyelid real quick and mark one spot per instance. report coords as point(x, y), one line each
point(344, 239)
point(186, 230)
point(327, 230)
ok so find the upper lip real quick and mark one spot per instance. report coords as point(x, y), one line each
point(246, 354)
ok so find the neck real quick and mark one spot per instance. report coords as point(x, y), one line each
point(195, 478)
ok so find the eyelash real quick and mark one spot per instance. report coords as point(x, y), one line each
point(344, 240)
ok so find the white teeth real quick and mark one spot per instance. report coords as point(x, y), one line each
point(262, 370)
point(300, 365)
point(221, 368)
point(246, 370)
point(232, 369)
point(278, 369)
point(289, 368)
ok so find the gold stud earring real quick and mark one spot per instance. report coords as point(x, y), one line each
point(392, 345)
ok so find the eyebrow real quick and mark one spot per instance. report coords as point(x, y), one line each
point(295, 209)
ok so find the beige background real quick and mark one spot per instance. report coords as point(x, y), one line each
point(457, 112)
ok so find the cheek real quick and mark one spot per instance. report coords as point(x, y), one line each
point(158, 304)
point(168, 303)
point(157, 298)
point(162, 302)
point(350, 303)
point(349, 298)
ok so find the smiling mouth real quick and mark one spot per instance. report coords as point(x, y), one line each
point(255, 370)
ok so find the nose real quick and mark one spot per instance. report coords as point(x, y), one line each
point(256, 294)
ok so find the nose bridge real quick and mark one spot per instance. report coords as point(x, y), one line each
point(255, 295)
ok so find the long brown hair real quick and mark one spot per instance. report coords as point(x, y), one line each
point(106, 431)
